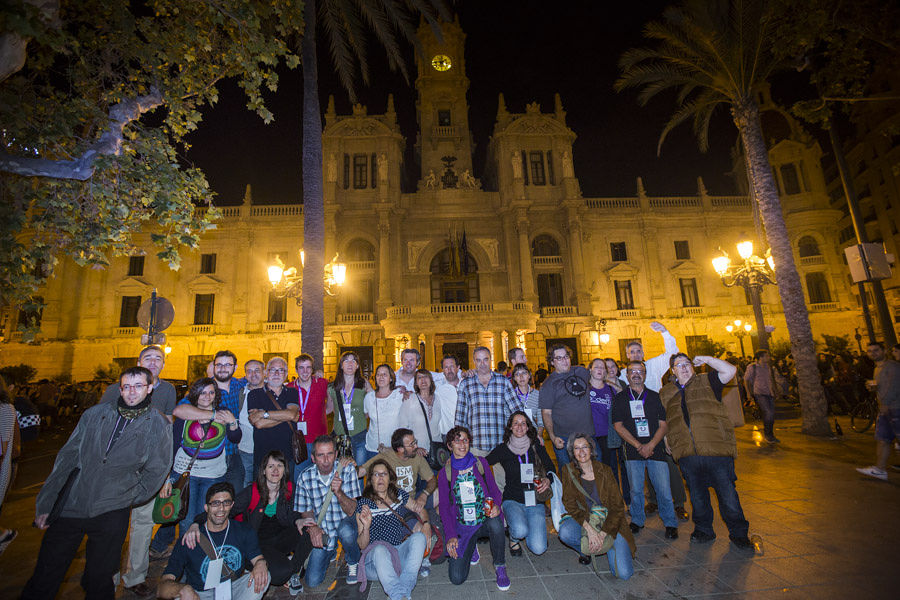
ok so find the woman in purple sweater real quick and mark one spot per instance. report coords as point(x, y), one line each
point(467, 489)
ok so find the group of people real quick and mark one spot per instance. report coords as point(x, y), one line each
point(416, 460)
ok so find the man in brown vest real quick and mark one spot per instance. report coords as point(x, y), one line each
point(702, 441)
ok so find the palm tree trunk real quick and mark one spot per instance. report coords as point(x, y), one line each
point(312, 336)
point(812, 397)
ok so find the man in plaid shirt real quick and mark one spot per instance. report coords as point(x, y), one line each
point(339, 521)
point(484, 404)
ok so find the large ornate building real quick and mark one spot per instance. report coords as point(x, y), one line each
point(520, 258)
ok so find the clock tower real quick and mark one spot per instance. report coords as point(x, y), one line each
point(444, 144)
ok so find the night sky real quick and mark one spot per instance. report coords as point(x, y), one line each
point(528, 50)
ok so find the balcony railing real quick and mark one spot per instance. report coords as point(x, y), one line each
point(277, 210)
point(207, 329)
point(398, 311)
point(693, 311)
point(612, 203)
point(558, 311)
point(275, 326)
point(444, 131)
point(458, 308)
point(356, 318)
point(361, 265)
point(547, 261)
point(125, 331)
point(675, 202)
point(628, 313)
point(806, 261)
point(461, 307)
point(823, 306)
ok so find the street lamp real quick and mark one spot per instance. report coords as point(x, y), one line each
point(751, 273)
point(738, 331)
point(288, 283)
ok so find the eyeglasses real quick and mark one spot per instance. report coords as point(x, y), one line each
point(577, 448)
point(136, 387)
point(277, 370)
point(563, 357)
point(221, 504)
point(223, 365)
point(412, 444)
point(681, 365)
point(381, 474)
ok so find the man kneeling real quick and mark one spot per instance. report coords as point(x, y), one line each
point(215, 567)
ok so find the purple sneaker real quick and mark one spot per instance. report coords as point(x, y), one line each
point(502, 578)
point(475, 557)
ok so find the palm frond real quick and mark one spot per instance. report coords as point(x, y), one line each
point(341, 56)
point(685, 112)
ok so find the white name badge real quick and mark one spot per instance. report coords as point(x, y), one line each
point(529, 498)
point(301, 427)
point(467, 492)
point(637, 409)
point(643, 427)
point(469, 514)
point(526, 472)
point(214, 574)
point(223, 590)
point(349, 414)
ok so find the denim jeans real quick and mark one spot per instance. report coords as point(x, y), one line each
point(234, 474)
point(240, 590)
point(619, 556)
point(247, 463)
point(199, 486)
point(458, 568)
point(528, 523)
point(320, 557)
point(703, 472)
point(306, 463)
point(379, 566)
point(360, 453)
point(766, 406)
point(611, 457)
point(658, 471)
point(562, 455)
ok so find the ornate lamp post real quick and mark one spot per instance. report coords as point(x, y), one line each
point(752, 273)
point(288, 283)
point(739, 332)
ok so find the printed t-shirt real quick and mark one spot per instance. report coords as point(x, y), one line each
point(237, 544)
point(601, 402)
point(408, 470)
point(640, 414)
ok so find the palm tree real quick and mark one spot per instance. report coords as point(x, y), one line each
point(344, 23)
point(717, 53)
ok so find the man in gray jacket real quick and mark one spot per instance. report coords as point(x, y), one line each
point(117, 457)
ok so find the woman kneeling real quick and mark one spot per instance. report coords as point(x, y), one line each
point(391, 551)
point(589, 487)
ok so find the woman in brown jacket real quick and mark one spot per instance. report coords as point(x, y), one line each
point(599, 488)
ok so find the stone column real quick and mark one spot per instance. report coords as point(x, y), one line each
point(428, 361)
point(525, 258)
point(384, 259)
point(497, 347)
point(582, 298)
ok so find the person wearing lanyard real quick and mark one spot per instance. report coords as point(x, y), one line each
point(640, 420)
point(602, 389)
point(313, 403)
point(349, 388)
point(420, 413)
point(528, 397)
point(232, 544)
point(520, 453)
point(382, 405)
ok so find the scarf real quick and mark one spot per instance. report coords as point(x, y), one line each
point(132, 412)
point(461, 464)
point(519, 446)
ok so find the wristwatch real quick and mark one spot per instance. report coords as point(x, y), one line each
point(266, 415)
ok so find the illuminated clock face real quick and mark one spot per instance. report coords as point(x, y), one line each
point(441, 62)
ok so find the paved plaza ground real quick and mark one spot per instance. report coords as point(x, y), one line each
point(827, 532)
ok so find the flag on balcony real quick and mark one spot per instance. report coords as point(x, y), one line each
point(464, 253)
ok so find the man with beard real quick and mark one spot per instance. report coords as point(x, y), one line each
point(564, 401)
point(117, 457)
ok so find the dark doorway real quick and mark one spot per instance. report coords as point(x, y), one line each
point(197, 364)
point(458, 349)
point(571, 343)
point(366, 358)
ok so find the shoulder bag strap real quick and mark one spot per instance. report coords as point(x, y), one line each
point(322, 511)
point(208, 549)
point(427, 424)
point(575, 480)
point(278, 407)
point(402, 520)
point(187, 471)
point(340, 404)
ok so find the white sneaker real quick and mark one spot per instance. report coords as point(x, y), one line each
point(873, 471)
point(295, 585)
point(351, 574)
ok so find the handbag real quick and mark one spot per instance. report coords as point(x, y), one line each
point(596, 516)
point(438, 454)
point(343, 445)
point(173, 508)
point(298, 439)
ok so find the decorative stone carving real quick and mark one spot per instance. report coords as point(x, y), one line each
point(414, 251)
point(568, 170)
point(382, 167)
point(430, 181)
point(491, 247)
point(466, 181)
point(516, 165)
point(332, 168)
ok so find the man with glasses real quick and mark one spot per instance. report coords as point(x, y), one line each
point(314, 405)
point(117, 457)
point(224, 364)
point(564, 402)
point(162, 398)
point(217, 571)
point(702, 440)
point(273, 410)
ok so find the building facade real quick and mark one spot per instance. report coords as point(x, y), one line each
point(521, 258)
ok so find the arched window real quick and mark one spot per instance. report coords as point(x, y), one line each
point(359, 251)
point(808, 246)
point(544, 245)
point(454, 277)
point(817, 288)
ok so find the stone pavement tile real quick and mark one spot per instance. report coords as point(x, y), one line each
point(580, 586)
point(527, 588)
point(747, 576)
point(439, 573)
point(661, 555)
point(799, 544)
point(516, 566)
point(804, 507)
point(641, 585)
point(469, 590)
point(693, 580)
point(795, 570)
point(559, 562)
